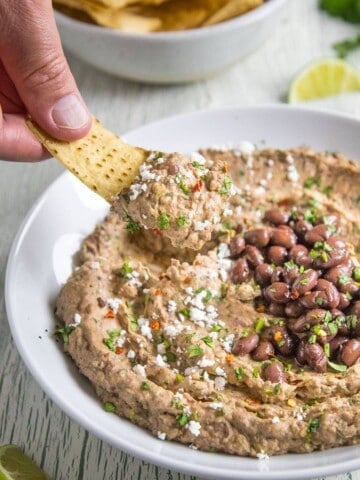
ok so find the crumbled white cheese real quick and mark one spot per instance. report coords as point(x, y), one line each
point(95, 265)
point(292, 174)
point(220, 383)
point(246, 148)
point(205, 362)
point(200, 226)
point(77, 320)
point(161, 435)
point(114, 303)
point(171, 306)
point(216, 405)
point(140, 370)
point(160, 361)
point(262, 456)
point(220, 372)
point(194, 427)
point(197, 157)
point(275, 420)
point(131, 354)
point(161, 348)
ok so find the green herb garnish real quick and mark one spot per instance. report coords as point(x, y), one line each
point(195, 351)
point(226, 186)
point(163, 221)
point(64, 332)
point(110, 340)
point(109, 407)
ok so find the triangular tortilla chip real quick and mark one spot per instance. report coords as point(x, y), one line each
point(101, 160)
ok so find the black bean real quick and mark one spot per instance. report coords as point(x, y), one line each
point(314, 299)
point(336, 345)
point(277, 255)
point(302, 227)
point(237, 245)
point(300, 356)
point(276, 309)
point(240, 271)
point(315, 316)
point(300, 254)
point(299, 326)
point(277, 275)
point(319, 233)
point(263, 274)
point(245, 345)
point(349, 288)
point(328, 259)
point(259, 237)
point(344, 302)
point(283, 236)
point(276, 216)
point(325, 335)
point(350, 352)
point(290, 274)
point(283, 340)
point(294, 309)
point(315, 357)
point(253, 255)
point(332, 294)
point(277, 292)
point(274, 373)
point(264, 351)
point(304, 283)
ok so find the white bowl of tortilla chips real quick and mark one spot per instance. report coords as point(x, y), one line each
point(165, 41)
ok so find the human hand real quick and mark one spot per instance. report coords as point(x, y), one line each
point(35, 80)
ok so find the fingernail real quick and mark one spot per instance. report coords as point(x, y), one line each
point(69, 112)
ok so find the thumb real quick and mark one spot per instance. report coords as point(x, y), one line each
point(31, 52)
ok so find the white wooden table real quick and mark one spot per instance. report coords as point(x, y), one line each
point(28, 417)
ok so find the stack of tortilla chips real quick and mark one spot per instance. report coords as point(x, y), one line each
point(143, 16)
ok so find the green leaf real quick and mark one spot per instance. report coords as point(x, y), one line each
point(337, 367)
point(64, 332)
point(348, 10)
point(110, 340)
point(109, 407)
point(195, 351)
point(226, 186)
point(163, 221)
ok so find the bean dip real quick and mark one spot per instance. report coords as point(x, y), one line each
point(218, 304)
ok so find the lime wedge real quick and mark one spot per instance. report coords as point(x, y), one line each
point(15, 465)
point(323, 78)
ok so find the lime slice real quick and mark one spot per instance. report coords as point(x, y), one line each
point(323, 78)
point(15, 465)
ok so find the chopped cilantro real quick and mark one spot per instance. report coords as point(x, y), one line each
point(226, 186)
point(133, 321)
point(185, 312)
point(180, 181)
point(132, 225)
point(110, 340)
point(311, 181)
point(170, 356)
point(208, 341)
point(198, 165)
point(195, 351)
point(260, 324)
point(337, 367)
point(182, 419)
point(216, 327)
point(239, 373)
point(327, 190)
point(163, 221)
point(64, 332)
point(181, 221)
point(109, 407)
point(313, 425)
point(145, 386)
point(356, 274)
point(124, 270)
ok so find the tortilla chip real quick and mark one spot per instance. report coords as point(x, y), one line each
point(119, 19)
point(101, 160)
point(232, 9)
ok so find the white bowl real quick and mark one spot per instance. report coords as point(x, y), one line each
point(170, 57)
point(39, 264)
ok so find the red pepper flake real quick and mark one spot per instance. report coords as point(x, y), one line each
point(230, 358)
point(155, 325)
point(109, 314)
point(157, 232)
point(198, 186)
point(225, 168)
point(187, 280)
point(119, 350)
point(157, 292)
